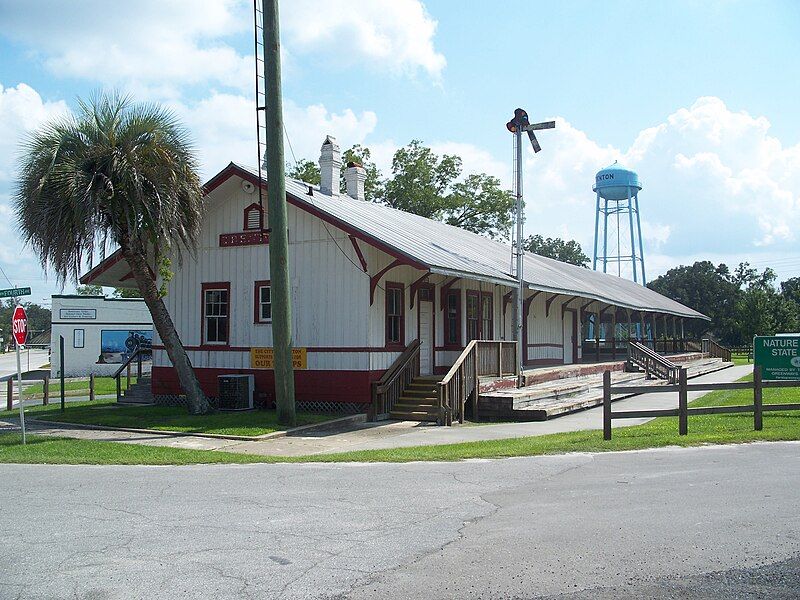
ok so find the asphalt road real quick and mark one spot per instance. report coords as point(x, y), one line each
point(714, 522)
point(8, 361)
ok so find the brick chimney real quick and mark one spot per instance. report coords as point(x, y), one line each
point(354, 176)
point(330, 166)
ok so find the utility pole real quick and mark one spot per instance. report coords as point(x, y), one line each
point(276, 212)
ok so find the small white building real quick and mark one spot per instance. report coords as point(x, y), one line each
point(367, 280)
point(99, 333)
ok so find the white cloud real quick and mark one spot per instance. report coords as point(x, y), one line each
point(150, 46)
point(22, 110)
point(393, 34)
point(715, 183)
point(223, 126)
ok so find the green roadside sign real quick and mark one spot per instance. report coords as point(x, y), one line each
point(778, 356)
point(15, 292)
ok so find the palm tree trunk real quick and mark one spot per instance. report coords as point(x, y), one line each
point(197, 401)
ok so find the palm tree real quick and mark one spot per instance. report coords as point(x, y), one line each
point(115, 173)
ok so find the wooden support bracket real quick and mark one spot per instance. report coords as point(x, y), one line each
point(373, 281)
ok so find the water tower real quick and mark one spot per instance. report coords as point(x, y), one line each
point(617, 216)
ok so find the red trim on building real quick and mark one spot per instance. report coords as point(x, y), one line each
point(359, 254)
point(415, 287)
point(401, 343)
point(373, 281)
point(325, 386)
point(214, 285)
point(102, 266)
point(320, 349)
point(257, 285)
point(247, 238)
point(253, 207)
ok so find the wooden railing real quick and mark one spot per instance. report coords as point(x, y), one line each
point(653, 363)
point(715, 350)
point(495, 358)
point(758, 408)
point(388, 389)
point(126, 366)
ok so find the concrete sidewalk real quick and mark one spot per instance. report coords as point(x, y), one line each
point(391, 434)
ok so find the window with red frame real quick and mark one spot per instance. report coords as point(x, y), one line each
point(216, 313)
point(452, 321)
point(395, 314)
point(262, 300)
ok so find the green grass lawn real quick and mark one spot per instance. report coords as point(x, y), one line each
point(165, 418)
point(741, 359)
point(703, 429)
point(50, 450)
point(102, 386)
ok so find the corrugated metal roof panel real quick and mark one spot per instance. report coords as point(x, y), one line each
point(445, 248)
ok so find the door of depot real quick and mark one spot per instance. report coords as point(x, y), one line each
point(570, 337)
point(426, 331)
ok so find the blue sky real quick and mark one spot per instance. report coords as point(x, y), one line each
point(699, 97)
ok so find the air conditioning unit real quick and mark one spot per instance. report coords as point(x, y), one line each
point(236, 392)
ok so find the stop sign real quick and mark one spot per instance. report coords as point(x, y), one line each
point(19, 325)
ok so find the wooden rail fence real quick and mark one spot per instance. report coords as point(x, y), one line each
point(758, 408)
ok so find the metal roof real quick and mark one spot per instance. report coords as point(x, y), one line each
point(449, 250)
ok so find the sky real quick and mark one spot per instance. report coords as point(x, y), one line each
point(699, 97)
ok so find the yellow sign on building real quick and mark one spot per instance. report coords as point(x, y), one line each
point(264, 358)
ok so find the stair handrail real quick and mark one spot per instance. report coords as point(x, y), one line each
point(462, 380)
point(388, 388)
point(652, 362)
point(136, 354)
point(716, 350)
point(453, 390)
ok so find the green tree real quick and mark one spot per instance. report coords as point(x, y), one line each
point(568, 251)
point(790, 290)
point(420, 180)
point(115, 172)
point(706, 288)
point(89, 290)
point(479, 204)
point(127, 293)
point(304, 170)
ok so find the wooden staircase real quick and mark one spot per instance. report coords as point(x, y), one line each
point(418, 401)
point(139, 393)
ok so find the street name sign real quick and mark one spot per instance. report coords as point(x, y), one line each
point(15, 292)
point(778, 356)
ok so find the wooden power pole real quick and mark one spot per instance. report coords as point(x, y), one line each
point(276, 211)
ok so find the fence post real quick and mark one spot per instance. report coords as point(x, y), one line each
point(683, 401)
point(10, 393)
point(128, 382)
point(91, 387)
point(606, 405)
point(46, 392)
point(758, 398)
point(119, 386)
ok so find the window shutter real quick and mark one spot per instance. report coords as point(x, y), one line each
point(253, 218)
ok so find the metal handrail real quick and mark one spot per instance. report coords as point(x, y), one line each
point(387, 389)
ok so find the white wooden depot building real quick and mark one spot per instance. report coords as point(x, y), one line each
point(366, 281)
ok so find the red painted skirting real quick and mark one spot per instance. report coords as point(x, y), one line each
point(323, 386)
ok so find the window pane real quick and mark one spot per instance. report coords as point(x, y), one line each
point(266, 312)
